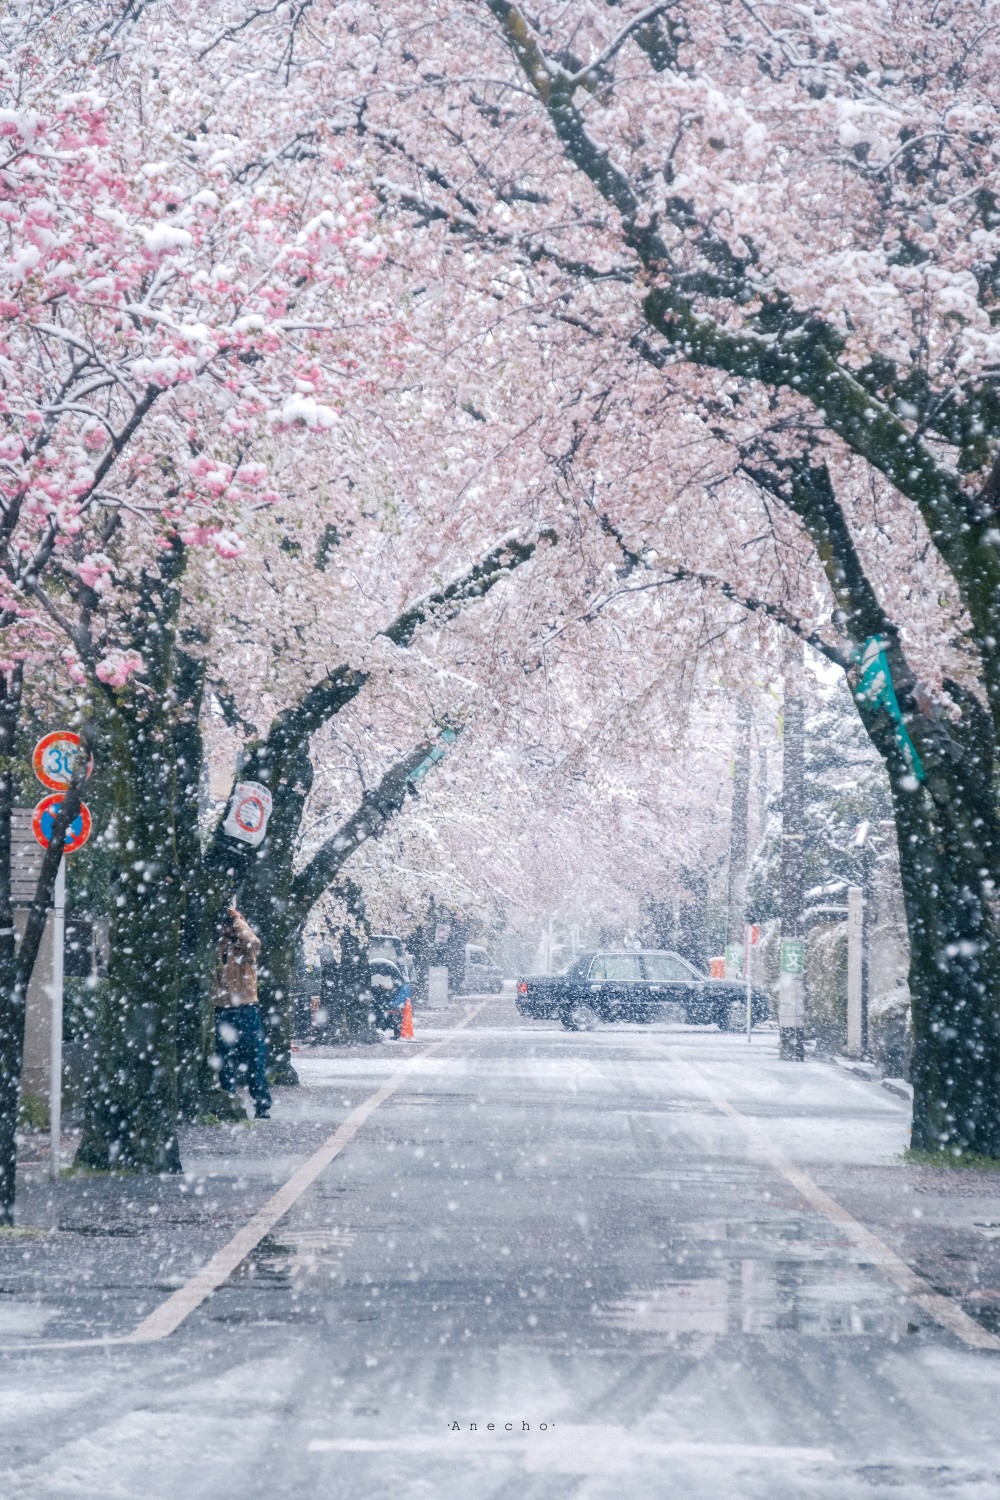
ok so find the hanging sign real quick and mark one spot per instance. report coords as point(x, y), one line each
point(875, 683)
point(440, 750)
point(734, 958)
point(54, 757)
point(793, 956)
point(43, 819)
point(249, 812)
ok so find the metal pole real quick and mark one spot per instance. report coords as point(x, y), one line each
point(736, 893)
point(868, 859)
point(855, 1027)
point(863, 841)
point(791, 994)
point(749, 948)
point(55, 1057)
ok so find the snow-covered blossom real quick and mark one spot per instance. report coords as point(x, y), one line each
point(117, 667)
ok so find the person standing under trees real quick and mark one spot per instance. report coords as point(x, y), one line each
point(239, 1031)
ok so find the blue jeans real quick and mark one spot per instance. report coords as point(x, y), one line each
point(244, 1056)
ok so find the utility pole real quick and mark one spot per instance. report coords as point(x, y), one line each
point(762, 788)
point(863, 840)
point(855, 949)
point(736, 895)
point(791, 992)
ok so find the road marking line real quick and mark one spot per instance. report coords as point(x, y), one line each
point(166, 1318)
point(942, 1309)
point(611, 1447)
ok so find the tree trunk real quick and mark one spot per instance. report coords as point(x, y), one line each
point(131, 1111)
point(11, 997)
point(948, 841)
point(355, 974)
point(276, 987)
point(205, 893)
point(130, 1120)
point(197, 1090)
point(277, 902)
point(266, 902)
point(942, 775)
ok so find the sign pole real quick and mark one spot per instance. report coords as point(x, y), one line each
point(855, 928)
point(55, 1063)
point(749, 948)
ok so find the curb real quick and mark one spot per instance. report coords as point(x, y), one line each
point(899, 1087)
point(858, 1069)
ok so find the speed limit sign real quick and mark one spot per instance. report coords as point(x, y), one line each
point(54, 757)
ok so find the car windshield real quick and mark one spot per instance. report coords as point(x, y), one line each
point(383, 952)
point(617, 966)
point(666, 966)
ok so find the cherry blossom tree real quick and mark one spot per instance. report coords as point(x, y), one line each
point(173, 300)
point(791, 218)
point(712, 294)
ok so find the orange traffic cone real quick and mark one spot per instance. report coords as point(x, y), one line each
point(406, 1028)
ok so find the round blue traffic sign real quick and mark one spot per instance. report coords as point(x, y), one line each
point(44, 817)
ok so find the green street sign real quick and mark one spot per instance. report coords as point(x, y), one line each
point(793, 956)
point(446, 739)
point(875, 683)
point(734, 955)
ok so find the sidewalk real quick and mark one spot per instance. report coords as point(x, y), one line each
point(93, 1254)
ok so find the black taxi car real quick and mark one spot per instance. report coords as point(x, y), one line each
point(633, 984)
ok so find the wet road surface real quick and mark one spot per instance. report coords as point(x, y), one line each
point(546, 1265)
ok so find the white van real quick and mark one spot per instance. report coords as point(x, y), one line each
point(482, 975)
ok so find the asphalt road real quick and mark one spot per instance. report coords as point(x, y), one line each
point(601, 1244)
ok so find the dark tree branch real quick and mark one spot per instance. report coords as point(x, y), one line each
point(807, 490)
point(782, 348)
point(274, 758)
point(378, 806)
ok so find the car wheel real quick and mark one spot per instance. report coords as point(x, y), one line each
point(581, 1017)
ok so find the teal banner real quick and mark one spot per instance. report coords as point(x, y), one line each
point(448, 738)
point(875, 686)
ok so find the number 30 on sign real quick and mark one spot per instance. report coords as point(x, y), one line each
point(54, 757)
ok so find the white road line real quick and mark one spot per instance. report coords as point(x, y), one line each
point(942, 1309)
point(571, 1448)
point(166, 1318)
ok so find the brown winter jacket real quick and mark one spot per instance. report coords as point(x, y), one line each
point(235, 978)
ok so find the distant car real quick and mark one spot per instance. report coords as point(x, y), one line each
point(635, 985)
point(482, 976)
